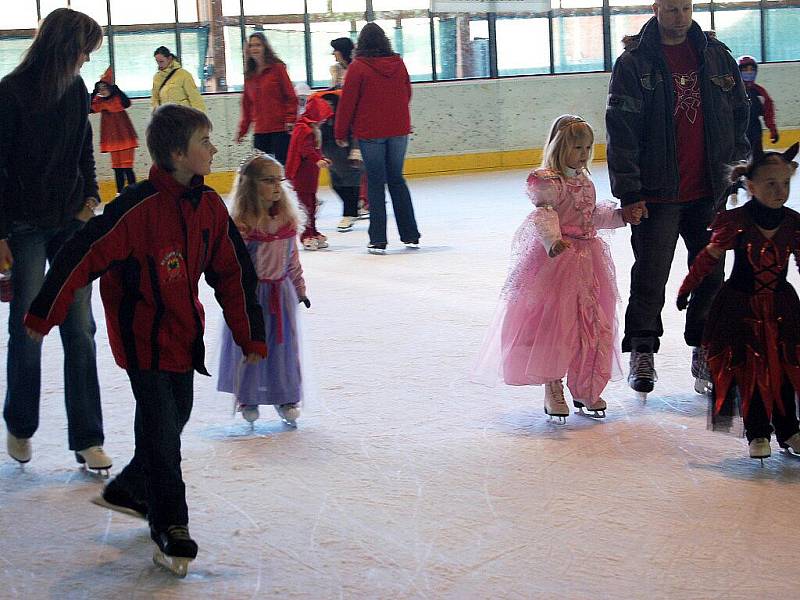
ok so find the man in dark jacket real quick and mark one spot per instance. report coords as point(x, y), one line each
point(677, 115)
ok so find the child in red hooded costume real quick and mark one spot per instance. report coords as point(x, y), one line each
point(117, 135)
point(303, 162)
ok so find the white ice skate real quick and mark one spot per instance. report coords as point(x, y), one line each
point(289, 413)
point(597, 410)
point(94, 458)
point(554, 404)
point(18, 448)
point(792, 445)
point(250, 413)
point(759, 449)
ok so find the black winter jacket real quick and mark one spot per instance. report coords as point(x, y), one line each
point(46, 158)
point(641, 150)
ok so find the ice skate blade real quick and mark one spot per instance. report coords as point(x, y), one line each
point(100, 501)
point(560, 419)
point(177, 565)
point(100, 471)
point(289, 423)
point(790, 452)
point(703, 387)
point(642, 396)
point(592, 414)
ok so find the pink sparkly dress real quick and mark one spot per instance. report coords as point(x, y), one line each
point(557, 316)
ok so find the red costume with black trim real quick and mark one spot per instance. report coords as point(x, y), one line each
point(753, 330)
point(117, 134)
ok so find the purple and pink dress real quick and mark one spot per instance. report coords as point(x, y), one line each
point(278, 378)
point(558, 316)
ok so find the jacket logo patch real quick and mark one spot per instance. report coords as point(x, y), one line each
point(650, 81)
point(172, 266)
point(726, 82)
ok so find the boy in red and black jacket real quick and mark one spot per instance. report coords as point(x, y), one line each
point(150, 247)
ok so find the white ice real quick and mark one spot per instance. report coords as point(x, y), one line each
point(404, 480)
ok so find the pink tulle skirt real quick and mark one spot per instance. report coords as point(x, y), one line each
point(556, 317)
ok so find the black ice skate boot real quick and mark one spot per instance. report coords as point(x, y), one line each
point(175, 549)
point(700, 372)
point(642, 376)
point(118, 499)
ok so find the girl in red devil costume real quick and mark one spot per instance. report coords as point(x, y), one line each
point(753, 331)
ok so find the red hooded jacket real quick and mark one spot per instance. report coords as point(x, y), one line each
point(303, 153)
point(268, 101)
point(150, 247)
point(375, 99)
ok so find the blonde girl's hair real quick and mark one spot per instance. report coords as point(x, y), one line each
point(248, 209)
point(62, 37)
point(565, 133)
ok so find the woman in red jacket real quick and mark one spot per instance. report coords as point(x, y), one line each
point(374, 109)
point(268, 101)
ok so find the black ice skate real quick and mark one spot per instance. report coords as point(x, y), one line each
point(700, 372)
point(175, 549)
point(642, 376)
point(119, 500)
point(597, 410)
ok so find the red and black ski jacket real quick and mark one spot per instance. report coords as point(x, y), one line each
point(149, 247)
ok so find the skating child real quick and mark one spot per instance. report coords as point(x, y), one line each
point(151, 245)
point(753, 331)
point(117, 135)
point(761, 107)
point(345, 172)
point(268, 218)
point(303, 162)
point(557, 313)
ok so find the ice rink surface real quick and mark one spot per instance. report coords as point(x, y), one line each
point(405, 480)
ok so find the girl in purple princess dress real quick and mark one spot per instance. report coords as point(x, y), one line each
point(268, 219)
point(557, 315)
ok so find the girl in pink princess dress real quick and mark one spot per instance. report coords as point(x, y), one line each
point(557, 315)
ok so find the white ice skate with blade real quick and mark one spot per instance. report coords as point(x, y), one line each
point(554, 404)
point(94, 458)
point(289, 413)
point(18, 448)
point(597, 410)
point(792, 445)
point(760, 449)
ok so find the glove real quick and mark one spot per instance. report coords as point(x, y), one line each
point(304, 300)
point(704, 263)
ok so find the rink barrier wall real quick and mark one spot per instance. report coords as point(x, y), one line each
point(431, 166)
point(463, 126)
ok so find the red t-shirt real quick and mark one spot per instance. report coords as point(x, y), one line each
point(688, 119)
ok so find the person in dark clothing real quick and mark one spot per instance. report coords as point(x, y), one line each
point(676, 117)
point(345, 173)
point(150, 246)
point(48, 189)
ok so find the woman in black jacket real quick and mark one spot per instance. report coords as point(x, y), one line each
point(48, 189)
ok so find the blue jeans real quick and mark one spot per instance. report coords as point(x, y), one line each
point(31, 247)
point(383, 161)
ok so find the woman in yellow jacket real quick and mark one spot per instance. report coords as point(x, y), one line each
point(173, 84)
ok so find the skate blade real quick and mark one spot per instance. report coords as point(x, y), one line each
point(790, 452)
point(560, 419)
point(100, 471)
point(289, 423)
point(177, 565)
point(600, 413)
point(100, 501)
point(642, 396)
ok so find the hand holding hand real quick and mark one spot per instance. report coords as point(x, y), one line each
point(683, 301)
point(559, 247)
point(634, 213)
point(304, 300)
point(34, 335)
